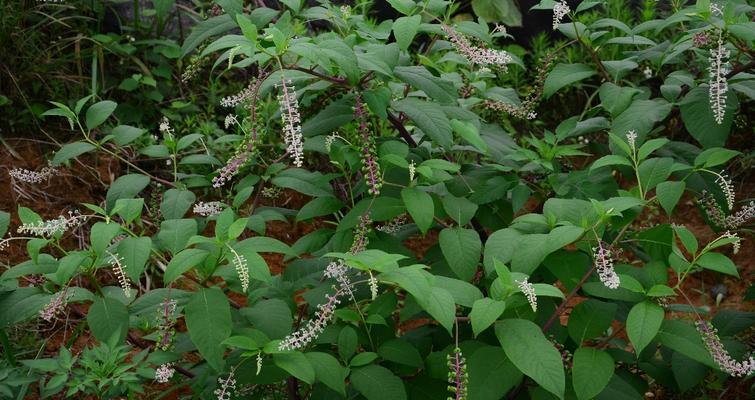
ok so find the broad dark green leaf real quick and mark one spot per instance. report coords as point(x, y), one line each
point(108, 317)
point(404, 29)
point(429, 117)
point(590, 319)
point(461, 248)
point(420, 206)
point(484, 312)
point(99, 112)
point(297, 365)
point(208, 320)
point(643, 322)
point(377, 383)
point(328, 371)
point(591, 372)
point(565, 74)
point(176, 202)
point(135, 252)
point(71, 150)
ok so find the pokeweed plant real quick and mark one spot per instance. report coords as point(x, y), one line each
point(537, 276)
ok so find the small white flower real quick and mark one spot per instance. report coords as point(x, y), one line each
point(727, 188)
point(227, 387)
point(242, 268)
point(718, 86)
point(116, 261)
point(603, 259)
point(648, 72)
point(289, 107)
point(632, 139)
point(29, 176)
point(230, 120)
point(412, 170)
point(165, 127)
point(481, 56)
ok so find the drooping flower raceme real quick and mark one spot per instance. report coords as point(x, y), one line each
point(477, 55)
point(458, 380)
point(723, 181)
point(719, 353)
point(603, 258)
point(718, 86)
point(314, 326)
point(559, 11)
point(56, 306)
point(33, 177)
point(209, 208)
point(529, 292)
point(289, 108)
point(116, 261)
point(52, 227)
point(338, 270)
point(526, 110)
point(227, 387)
point(370, 165)
point(242, 268)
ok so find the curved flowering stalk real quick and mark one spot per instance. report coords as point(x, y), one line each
point(526, 110)
point(370, 165)
point(477, 55)
point(291, 119)
point(227, 387)
point(559, 11)
point(603, 258)
point(529, 292)
point(243, 153)
point(314, 326)
point(723, 181)
point(56, 305)
point(116, 261)
point(242, 268)
point(166, 319)
point(742, 216)
point(718, 86)
point(457, 378)
point(719, 353)
point(393, 225)
point(360, 234)
point(52, 227)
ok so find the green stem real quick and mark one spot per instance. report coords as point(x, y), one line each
point(7, 349)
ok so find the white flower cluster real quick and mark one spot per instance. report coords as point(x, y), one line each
point(529, 291)
point(603, 258)
point(209, 208)
point(338, 270)
point(632, 139)
point(559, 11)
point(56, 306)
point(289, 107)
point(165, 127)
point(243, 96)
point(314, 326)
point(164, 372)
point(29, 176)
point(718, 86)
point(723, 181)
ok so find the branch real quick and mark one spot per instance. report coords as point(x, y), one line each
point(401, 129)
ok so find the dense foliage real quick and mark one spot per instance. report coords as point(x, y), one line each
point(314, 203)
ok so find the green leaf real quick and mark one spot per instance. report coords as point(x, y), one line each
point(108, 317)
point(400, 351)
point(464, 293)
point(719, 263)
point(271, 316)
point(411, 279)
point(484, 312)
point(591, 372)
point(363, 359)
point(610, 159)
point(99, 112)
point(336, 114)
point(208, 320)
point(589, 319)
point(175, 233)
point(459, 208)
point(715, 156)
point(128, 209)
point(343, 55)
point(654, 171)
point(71, 150)
point(699, 120)
point(176, 202)
point(125, 134)
point(377, 383)
point(404, 29)
point(684, 338)
point(126, 186)
point(669, 193)
point(247, 27)
point(440, 305)
point(491, 374)
point(405, 7)
point(329, 371)
point(437, 89)
point(643, 322)
point(318, 207)
point(616, 99)
point(296, 364)
point(529, 350)
point(469, 132)
point(183, 261)
point(102, 235)
point(504, 11)
point(135, 252)
point(420, 206)
point(429, 117)
point(563, 75)
point(660, 291)
point(650, 146)
point(640, 117)
point(4, 222)
point(461, 248)
point(206, 29)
